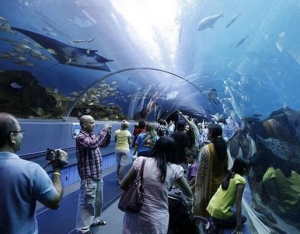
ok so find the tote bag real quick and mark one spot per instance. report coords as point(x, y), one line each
point(132, 199)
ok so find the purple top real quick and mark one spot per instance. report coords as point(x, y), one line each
point(192, 171)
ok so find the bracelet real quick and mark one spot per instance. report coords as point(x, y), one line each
point(56, 173)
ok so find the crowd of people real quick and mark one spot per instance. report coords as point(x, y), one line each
point(199, 155)
point(190, 156)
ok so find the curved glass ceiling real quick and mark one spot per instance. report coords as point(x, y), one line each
point(248, 53)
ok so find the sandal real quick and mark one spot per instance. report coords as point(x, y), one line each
point(99, 223)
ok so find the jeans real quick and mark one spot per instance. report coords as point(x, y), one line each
point(89, 203)
point(228, 223)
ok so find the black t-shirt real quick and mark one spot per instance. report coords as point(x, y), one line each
point(182, 141)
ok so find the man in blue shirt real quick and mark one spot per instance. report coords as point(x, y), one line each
point(22, 182)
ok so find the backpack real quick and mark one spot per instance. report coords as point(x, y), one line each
point(181, 219)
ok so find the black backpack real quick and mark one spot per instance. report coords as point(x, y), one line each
point(181, 219)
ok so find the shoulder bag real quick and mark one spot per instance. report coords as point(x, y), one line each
point(132, 199)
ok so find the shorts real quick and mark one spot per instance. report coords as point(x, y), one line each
point(122, 157)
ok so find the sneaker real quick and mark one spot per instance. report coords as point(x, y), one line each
point(88, 232)
point(99, 222)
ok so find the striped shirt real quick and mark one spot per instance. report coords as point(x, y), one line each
point(88, 153)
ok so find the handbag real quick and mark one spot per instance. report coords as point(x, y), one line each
point(132, 199)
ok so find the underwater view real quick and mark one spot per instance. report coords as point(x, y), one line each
point(148, 59)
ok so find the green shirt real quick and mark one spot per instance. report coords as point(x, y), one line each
point(223, 200)
point(287, 188)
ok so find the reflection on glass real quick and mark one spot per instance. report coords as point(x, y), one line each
point(275, 182)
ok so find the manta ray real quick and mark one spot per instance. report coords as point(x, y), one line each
point(281, 149)
point(69, 55)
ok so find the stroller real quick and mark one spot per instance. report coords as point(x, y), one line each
point(182, 220)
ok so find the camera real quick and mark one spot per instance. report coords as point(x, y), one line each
point(54, 156)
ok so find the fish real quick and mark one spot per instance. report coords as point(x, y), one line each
point(21, 58)
point(281, 149)
point(3, 19)
point(14, 85)
point(241, 42)
point(21, 46)
point(26, 41)
point(24, 63)
point(80, 41)
point(11, 54)
point(36, 51)
point(19, 50)
point(7, 39)
point(64, 53)
point(208, 22)
point(232, 20)
point(5, 56)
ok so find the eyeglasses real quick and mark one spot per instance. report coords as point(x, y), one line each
point(21, 131)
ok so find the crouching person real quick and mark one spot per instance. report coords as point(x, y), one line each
point(230, 193)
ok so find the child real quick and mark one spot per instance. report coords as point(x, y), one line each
point(229, 194)
point(191, 157)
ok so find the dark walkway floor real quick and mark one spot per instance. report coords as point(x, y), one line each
point(63, 220)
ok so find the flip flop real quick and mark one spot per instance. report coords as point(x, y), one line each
point(99, 223)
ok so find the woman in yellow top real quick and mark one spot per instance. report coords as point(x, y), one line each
point(123, 140)
point(212, 169)
point(230, 193)
point(281, 189)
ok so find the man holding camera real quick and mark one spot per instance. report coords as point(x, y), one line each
point(90, 171)
point(22, 182)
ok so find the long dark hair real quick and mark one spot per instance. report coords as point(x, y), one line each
point(238, 167)
point(164, 151)
point(215, 131)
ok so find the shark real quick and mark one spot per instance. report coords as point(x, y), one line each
point(281, 149)
point(208, 22)
point(69, 55)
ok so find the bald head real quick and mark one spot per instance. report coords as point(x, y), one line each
point(87, 123)
point(85, 118)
